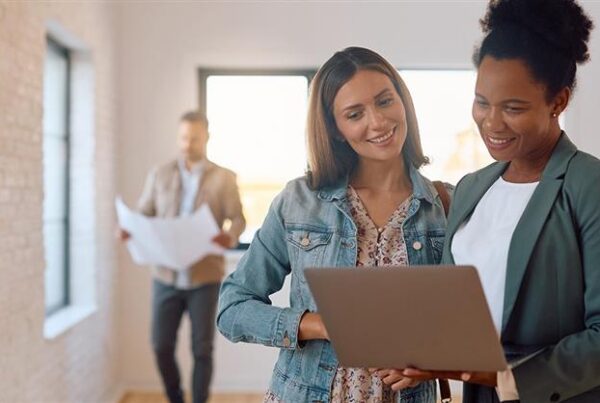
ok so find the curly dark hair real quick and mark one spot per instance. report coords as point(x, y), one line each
point(550, 36)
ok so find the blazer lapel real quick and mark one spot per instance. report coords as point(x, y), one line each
point(524, 238)
point(175, 190)
point(202, 192)
point(532, 221)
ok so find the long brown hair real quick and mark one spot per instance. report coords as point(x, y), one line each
point(329, 158)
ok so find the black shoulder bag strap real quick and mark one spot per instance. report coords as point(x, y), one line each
point(445, 394)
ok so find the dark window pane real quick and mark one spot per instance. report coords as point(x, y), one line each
point(56, 176)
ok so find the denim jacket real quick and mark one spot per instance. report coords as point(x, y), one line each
point(312, 228)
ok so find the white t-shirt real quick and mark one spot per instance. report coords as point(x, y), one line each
point(484, 239)
point(190, 181)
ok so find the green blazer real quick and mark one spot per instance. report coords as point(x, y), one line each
point(552, 294)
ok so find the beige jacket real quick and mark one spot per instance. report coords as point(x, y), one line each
point(218, 187)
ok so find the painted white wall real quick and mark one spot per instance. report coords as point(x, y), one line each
point(582, 117)
point(162, 45)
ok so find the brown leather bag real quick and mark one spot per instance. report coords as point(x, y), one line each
point(445, 393)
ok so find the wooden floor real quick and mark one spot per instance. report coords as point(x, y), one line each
point(157, 397)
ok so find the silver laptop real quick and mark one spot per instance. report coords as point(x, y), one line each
point(427, 317)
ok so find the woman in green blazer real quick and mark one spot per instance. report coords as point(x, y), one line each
point(551, 308)
point(530, 222)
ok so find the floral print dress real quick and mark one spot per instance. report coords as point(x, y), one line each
point(375, 247)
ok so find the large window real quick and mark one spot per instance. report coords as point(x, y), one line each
point(257, 126)
point(69, 204)
point(257, 130)
point(56, 176)
point(443, 101)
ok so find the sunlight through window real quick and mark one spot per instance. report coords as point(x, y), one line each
point(443, 100)
point(257, 127)
point(257, 130)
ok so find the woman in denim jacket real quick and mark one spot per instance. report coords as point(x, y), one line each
point(362, 203)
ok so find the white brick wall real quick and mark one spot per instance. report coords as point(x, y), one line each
point(81, 364)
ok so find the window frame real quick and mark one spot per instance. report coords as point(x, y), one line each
point(205, 73)
point(53, 44)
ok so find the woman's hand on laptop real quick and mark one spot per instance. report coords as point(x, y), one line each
point(482, 378)
point(395, 379)
point(312, 327)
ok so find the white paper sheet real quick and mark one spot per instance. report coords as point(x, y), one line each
point(176, 243)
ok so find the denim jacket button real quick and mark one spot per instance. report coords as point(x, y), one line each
point(417, 245)
point(286, 341)
point(305, 241)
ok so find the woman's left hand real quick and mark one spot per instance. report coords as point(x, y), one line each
point(395, 379)
point(482, 378)
point(399, 379)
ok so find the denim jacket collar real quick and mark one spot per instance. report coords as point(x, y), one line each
point(336, 192)
point(422, 189)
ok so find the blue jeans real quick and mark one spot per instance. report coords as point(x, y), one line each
point(168, 306)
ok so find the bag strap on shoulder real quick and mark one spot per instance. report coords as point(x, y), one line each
point(444, 196)
point(445, 393)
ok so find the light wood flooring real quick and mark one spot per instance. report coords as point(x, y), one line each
point(157, 397)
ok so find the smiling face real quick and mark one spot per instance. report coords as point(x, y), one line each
point(370, 116)
point(515, 119)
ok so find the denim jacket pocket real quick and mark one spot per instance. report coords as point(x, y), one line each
point(425, 248)
point(307, 237)
point(306, 244)
point(436, 243)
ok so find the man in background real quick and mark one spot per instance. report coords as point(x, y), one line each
point(178, 188)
